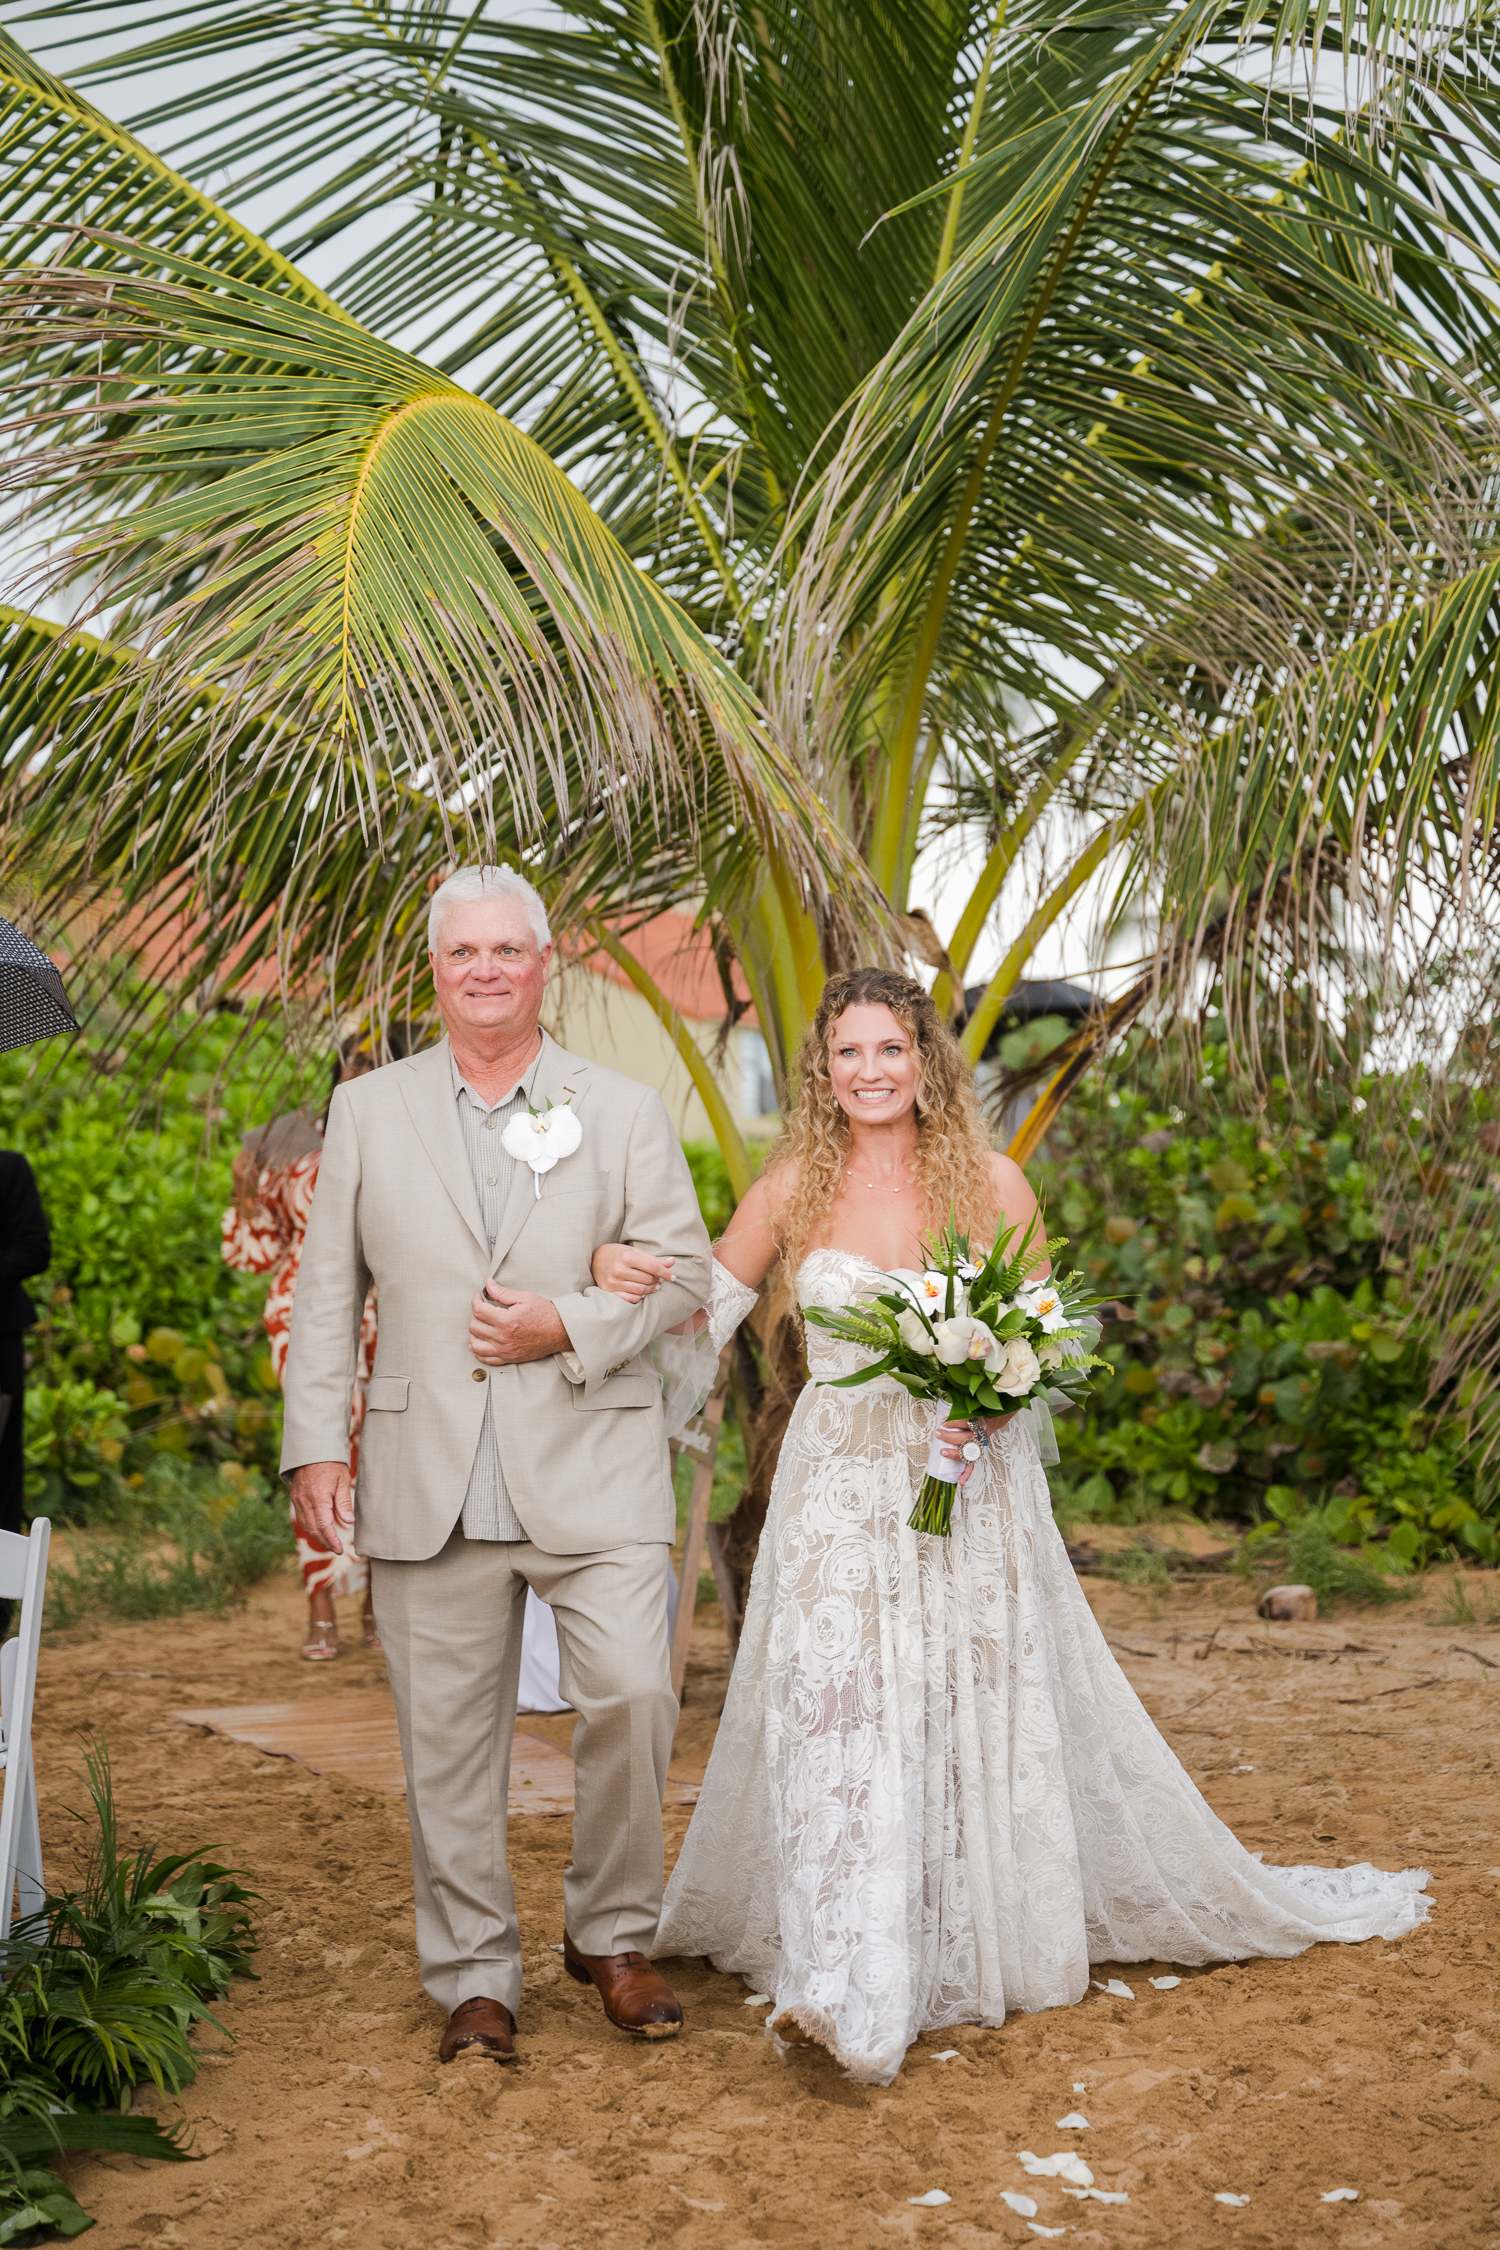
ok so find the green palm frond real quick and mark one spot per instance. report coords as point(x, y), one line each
point(1184, 411)
point(355, 616)
point(67, 168)
point(1092, 410)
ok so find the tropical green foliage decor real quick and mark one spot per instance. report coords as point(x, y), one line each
point(735, 447)
point(1270, 1363)
point(99, 1992)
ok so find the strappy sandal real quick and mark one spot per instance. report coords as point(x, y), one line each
point(322, 1643)
point(371, 1629)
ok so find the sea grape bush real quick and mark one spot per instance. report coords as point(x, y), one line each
point(147, 1343)
point(1263, 1362)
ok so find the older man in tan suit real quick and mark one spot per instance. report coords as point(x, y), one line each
point(513, 1438)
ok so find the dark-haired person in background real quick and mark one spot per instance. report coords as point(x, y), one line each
point(25, 1249)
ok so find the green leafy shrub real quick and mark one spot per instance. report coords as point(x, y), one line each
point(190, 1539)
point(1317, 1547)
point(1267, 1347)
point(99, 1992)
point(147, 1343)
point(34, 2202)
point(76, 1436)
point(104, 1983)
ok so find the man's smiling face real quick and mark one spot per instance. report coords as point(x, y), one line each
point(488, 968)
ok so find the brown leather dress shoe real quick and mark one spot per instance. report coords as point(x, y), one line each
point(636, 1996)
point(485, 2024)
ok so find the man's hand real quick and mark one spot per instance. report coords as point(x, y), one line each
point(509, 1326)
point(324, 1502)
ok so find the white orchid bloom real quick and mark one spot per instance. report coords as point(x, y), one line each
point(915, 1334)
point(1042, 1302)
point(963, 1338)
point(1061, 1351)
point(542, 1137)
point(928, 1290)
point(1020, 1370)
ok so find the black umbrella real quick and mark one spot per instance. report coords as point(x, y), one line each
point(33, 1004)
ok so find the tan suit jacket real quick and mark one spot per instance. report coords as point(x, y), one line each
point(581, 1436)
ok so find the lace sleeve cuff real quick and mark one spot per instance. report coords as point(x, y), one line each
point(688, 1365)
point(727, 1307)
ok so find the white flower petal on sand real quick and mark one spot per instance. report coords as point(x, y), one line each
point(931, 2199)
point(1165, 1984)
point(946, 2055)
point(1076, 2120)
point(1050, 2232)
point(757, 2000)
point(1079, 2087)
point(1236, 2202)
point(1098, 2195)
point(1024, 2206)
point(1340, 2195)
point(1120, 1991)
point(1061, 2165)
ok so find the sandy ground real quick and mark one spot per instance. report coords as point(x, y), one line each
point(325, 2118)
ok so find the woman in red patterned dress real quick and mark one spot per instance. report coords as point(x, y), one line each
point(263, 1229)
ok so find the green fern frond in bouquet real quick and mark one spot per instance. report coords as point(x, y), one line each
point(983, 1338)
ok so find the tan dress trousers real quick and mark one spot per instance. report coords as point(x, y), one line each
point(451, 1627)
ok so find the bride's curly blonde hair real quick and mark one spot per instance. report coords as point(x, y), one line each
point(953, 1149)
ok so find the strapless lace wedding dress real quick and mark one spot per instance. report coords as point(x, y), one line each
point(934, 1796)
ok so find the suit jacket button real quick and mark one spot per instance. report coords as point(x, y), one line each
point(477, 1376)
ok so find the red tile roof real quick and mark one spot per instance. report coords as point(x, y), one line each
point(680, 959)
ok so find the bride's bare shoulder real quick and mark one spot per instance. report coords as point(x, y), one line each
point(766, 1197)
point(1012, 1187)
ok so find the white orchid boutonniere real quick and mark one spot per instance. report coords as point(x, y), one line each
point(542, 1138)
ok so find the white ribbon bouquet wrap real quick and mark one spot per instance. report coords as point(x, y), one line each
point(542, 1138)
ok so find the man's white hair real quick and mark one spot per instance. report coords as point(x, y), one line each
point(488, 882)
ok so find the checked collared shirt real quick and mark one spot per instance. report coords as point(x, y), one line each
point(488, 1513)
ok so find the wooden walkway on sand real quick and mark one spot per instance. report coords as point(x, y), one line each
point(355, 1735)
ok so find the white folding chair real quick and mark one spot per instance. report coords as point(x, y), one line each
point(23, 1576)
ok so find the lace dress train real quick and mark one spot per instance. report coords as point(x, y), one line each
point(934, 1796)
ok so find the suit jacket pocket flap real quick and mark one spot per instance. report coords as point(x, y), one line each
point(387, 1394)
point(620, 1390)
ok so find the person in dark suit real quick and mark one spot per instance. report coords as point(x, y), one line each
point(25, 1249)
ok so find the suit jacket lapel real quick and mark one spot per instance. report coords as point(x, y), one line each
point(426, 1083)
point(560, 1077)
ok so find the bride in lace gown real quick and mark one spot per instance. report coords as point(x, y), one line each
point(934, 1796)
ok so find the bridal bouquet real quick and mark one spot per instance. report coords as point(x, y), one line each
point(983, 1339)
